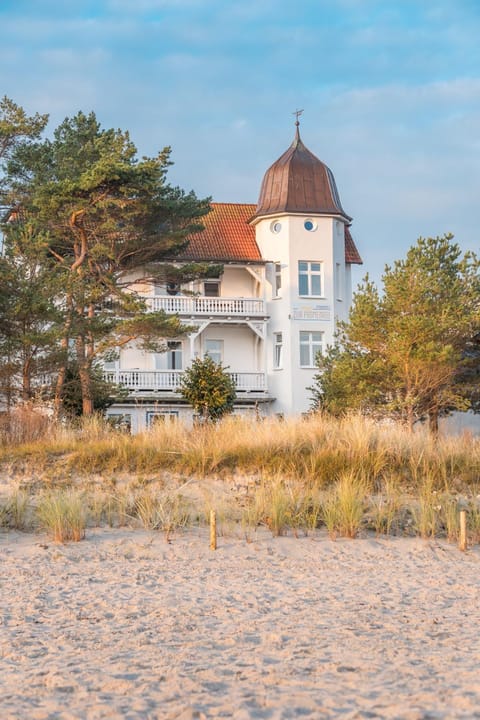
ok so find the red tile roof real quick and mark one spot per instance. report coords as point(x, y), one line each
point(228, 237)
point(352, 255)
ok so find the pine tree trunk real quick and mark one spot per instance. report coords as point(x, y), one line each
point(59, 385)
point(410, 418)
point(433, 422)
point(26, 381)
point(62, 372)
point(85, 376)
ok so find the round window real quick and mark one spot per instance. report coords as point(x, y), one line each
point(275, 227)
point(310, 225)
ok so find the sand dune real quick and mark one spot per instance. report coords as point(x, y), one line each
point(125, 625)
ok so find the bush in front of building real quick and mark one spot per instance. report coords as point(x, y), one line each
point(209, 389)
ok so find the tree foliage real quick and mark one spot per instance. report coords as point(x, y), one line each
point(208, 388)
point(104, 393)
point(16, 125)
point(111, 221)
point(404, 352)
point(30, 316)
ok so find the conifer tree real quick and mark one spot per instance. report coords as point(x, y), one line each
point(404, 351)
point(112, 221)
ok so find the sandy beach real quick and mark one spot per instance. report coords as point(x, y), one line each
point(126, 625)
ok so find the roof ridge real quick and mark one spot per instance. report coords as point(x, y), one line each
point(215, 202)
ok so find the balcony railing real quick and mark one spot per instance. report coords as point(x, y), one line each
point(207, 306)
point(169, 380)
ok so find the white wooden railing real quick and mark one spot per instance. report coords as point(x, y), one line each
point(180, 305)
point(161, 380)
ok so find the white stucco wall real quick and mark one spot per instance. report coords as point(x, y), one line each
point(291, 313)
point(237, 282)
point(239, 346)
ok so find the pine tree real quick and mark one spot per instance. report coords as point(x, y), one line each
point(403, 352)
point(112, 221)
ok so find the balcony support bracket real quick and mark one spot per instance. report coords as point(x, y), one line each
point(258, 328)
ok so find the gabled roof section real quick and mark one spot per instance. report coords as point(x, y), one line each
point(230, 237)
point(227, 236)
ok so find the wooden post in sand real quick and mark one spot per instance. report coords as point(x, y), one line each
point(462, 544)
point(213, 530)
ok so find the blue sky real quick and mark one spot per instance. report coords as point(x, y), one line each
point(390, 92)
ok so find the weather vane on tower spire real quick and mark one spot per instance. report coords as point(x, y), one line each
point(297, 113)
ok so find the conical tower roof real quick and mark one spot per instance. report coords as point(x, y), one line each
point(298, 182)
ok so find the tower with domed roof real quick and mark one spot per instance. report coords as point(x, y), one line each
point(303, 230)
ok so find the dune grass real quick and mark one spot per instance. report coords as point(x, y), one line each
point(318, 449)
point(62, 514)
point(350, 476)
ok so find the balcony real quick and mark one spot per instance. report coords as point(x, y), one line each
point(207, 306)
point(156, 381)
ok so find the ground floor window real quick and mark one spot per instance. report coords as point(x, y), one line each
point(161, 416)
point(120, 421)
point(311, 343)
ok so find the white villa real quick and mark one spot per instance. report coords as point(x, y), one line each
point(286, 282)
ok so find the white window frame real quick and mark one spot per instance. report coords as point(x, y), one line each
point(154, 416)
point(215, 354)
point(120, 421)
point(310, 273)
point(172, 358)
point(277, 280)
point(212, 284)
point(313, 344)
point(277, 351)
point(174, 355)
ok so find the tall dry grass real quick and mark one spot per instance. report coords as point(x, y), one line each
point(344, 506)
point(15, 510)
point(316, 450)
point(62, 514)
point(344, 474)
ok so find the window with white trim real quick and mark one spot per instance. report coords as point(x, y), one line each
point(311, 343)
point(214, 349)
point(277, 280)
point(211, 288)
point(110, 362)
point(172, 358)
point(174, 355)
point(155, 418)
point(277, 351)
point(310, 278)
point(120, 421)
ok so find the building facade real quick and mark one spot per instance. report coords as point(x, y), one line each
point(285, 284)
